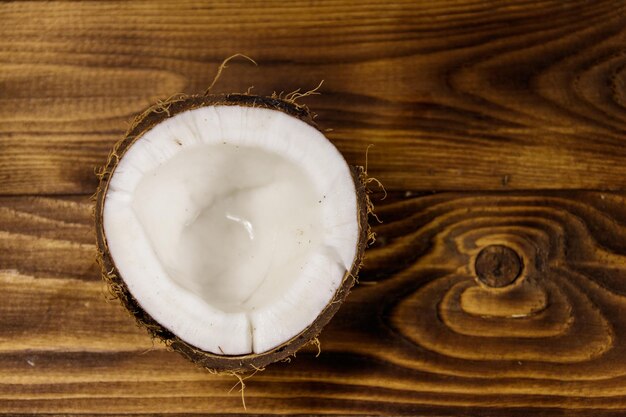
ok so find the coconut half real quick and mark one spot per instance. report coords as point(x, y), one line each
point(230, 227)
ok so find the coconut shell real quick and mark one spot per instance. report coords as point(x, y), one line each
point(211, 361)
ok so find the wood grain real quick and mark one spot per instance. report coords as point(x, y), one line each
point(498, 128)
point(419, 335)
point(461, 95)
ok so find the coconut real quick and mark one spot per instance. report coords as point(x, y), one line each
point(230, 227)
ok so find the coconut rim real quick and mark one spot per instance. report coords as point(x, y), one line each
point(214, 362)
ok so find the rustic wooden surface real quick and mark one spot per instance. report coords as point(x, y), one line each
point(495, 123)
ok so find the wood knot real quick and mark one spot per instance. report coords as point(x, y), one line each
point(498, 266)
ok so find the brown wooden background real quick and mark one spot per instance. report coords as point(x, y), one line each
point(494, 122)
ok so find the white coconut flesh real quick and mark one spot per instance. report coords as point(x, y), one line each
point(233, 227)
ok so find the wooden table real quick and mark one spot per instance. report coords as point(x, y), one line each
point(498, 127)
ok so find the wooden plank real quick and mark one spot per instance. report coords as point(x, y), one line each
point(420, 335)
point(456, 95)
point(49, 237)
